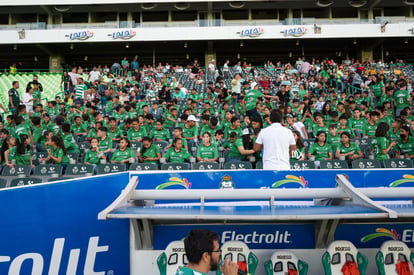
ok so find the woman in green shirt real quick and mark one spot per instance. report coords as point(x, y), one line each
point(124, 153)
point(9, 151)
point(320, 150)
point(379, 144)
point(405, 146)
point(347, 149)
point(207, 152)
point(177, 153)
point(24, 151)
point(149, 152)
point(299, 153)
point(56, 152)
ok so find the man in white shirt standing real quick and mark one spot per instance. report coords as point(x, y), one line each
point(277, 143)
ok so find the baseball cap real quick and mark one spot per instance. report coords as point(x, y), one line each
point(289, 116)
point(192, 118)
point(253, 84)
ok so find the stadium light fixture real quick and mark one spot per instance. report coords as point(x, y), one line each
point(127, 45)
point(185, 45)
point(15, 47)
point(35, 59)
point(297, 43)
point(238, 56)
point(290, 54)
point(241, 44)
point(354, 42)
point(357, 3)
point(236, 4)
point(148, 6)
point(187, 56)
point(324, 3)
point(408, 2)
point(182, 6)
point(62, 8)
point(86, 58)
point(71, 46)
point(406, 41)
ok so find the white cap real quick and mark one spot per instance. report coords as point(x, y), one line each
point(192, 118)
point(253, 84)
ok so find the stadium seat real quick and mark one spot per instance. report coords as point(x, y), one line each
point(239, 252)
point(16, 171)
point(24, 181)
point(111, 168)
point(334, 164)
point(78, 170)
point(206, 166)
point(285, 262)
point(398, 163)
point(161, 145)
point(172, 259)
point(73, 156)
point(237, 165)
point(342, 257)
point(47, 171)
point(393, 258)
point(259, 164)
point(84, 146)
point(3, 183)
point(302, 164)
point(134, 145)
point(366, 164)
point(143, 167)
point(308, 142)
point(175, 166)
point(38, 155)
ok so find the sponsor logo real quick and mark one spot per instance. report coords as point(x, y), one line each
point(253, 32)
point(254, 237)
point(342, 248)
point(382, 232)
point(125, 34)
point(398, 248)
point(178, 250)
point(37, 260)
point(291, 179)
point(226, 182)
point(406, 179)
point(296, 32)
point(235, 249)
point(83, 35)
point(174, 182)
point(284, 257)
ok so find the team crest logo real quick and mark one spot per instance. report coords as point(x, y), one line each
point(226, 183)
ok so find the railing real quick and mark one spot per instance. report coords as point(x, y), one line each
point(206, 23)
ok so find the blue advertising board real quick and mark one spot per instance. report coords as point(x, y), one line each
point(256, 236)
point(53, 228)
point(372, 235)
point(315, 178)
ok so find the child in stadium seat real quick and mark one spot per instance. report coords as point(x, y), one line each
point(149, 153)
point(94, 155)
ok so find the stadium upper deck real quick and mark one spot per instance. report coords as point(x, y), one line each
point(47, 33)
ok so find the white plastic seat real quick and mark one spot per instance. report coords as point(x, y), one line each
point(172, 259)
point(239, 252)
point(282, 262)
point(392, 256)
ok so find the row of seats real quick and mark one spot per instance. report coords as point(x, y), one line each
point(25, 175)
point(341, 257)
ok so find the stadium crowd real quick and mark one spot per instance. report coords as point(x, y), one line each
point(160, 114)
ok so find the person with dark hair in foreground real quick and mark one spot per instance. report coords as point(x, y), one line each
point(203, 254)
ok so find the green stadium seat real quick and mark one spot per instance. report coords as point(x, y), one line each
point(73, 156)
point(334, 164)
point(111, 168)
point(24, 181)
point(206, 166)
point(366, 164)
point(46, 171)
point(3, 183)
point(84, 146)
point(302, 164)
point(398, 163)
point(175, 166)
point(143, 167)
point(38, 155)
point(259, 164)
point(16, 171)
point(78, 170)
point(237, 165)
point(135, 145)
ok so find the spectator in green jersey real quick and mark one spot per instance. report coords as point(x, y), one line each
point(380, 144)
point(149, 152)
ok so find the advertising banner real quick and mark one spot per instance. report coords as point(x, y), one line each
point(256, 236)
point(53, 228)
point(372, 235)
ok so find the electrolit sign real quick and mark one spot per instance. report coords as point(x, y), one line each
point(296, 32)
point(125, 34)
point(373, 235)
point(268, 236)
point(37, 260)
point(253, 32)
point(82, 35)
